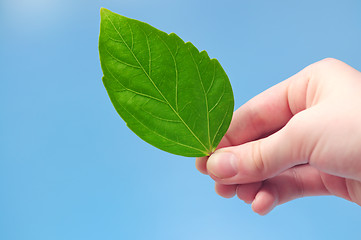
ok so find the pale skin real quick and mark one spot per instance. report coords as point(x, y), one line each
point(301, 137)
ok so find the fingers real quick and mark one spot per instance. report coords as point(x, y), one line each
point(300, 181)
point(201, 164)
point(226, 191)
point(248, 192)
point(294, 183)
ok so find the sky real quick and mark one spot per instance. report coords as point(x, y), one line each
point(71, 169)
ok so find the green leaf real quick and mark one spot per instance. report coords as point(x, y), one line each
point(170, 94)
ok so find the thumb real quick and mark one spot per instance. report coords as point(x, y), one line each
point(264, 158)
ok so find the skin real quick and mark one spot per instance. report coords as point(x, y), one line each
point(301, 137)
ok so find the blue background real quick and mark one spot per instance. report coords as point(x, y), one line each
point(71, 169)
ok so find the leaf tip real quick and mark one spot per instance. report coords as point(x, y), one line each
point(104, 11)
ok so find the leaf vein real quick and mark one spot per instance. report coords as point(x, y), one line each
point(131, 33)
point(162, 119)
point(205, 95)
point(176, 71)
point(220, 126)
point(214, 74)
point(122, 62)
point(133, 91)
point(218, 101)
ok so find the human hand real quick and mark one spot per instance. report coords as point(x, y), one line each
point(301, 137)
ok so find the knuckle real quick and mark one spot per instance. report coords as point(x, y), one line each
point(326, 63)
point(299, 126)
point(329, 60)
point(300, 192)
point(353, 190)
point(257, 158)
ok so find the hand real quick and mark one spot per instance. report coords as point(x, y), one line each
point(302, 137)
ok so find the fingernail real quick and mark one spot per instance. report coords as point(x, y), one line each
point(222, 165)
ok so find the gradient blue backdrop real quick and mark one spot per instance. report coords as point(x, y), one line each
point(69, 167)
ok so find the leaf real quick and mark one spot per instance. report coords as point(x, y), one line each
point(170, 94)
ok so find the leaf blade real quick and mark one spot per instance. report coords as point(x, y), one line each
point(153, 88)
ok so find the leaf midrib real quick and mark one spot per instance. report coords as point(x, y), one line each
point(155, 86)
